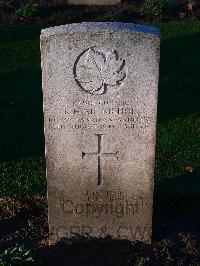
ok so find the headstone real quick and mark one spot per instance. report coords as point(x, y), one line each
point(94, 2)
point(100, 85)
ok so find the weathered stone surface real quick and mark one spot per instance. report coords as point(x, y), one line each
point(100, 102)
point(94, 2)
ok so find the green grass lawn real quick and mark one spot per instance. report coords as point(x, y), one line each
point(22, 163)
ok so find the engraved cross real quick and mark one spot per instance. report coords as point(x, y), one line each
point(99, 154)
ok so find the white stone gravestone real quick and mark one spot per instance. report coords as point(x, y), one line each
point(100, 85)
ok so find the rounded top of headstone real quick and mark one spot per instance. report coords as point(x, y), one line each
point(99, 26)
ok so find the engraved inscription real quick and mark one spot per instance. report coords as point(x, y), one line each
point(99, 154)
point(101, 114)
point(99, 71)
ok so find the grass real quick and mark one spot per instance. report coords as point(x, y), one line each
point(22, 164)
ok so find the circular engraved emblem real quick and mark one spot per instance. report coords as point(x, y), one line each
point(99, 71)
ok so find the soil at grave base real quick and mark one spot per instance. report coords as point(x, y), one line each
point(55, 12)
point(176, 238)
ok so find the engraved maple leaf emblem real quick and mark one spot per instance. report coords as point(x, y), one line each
point(99, 70)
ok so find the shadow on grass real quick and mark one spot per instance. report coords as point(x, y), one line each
point(179, 87)
point(21, 134)
point(19, 32)
point(112, 252)
point(22, 221)
point(93, 251)
point(176, 206)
